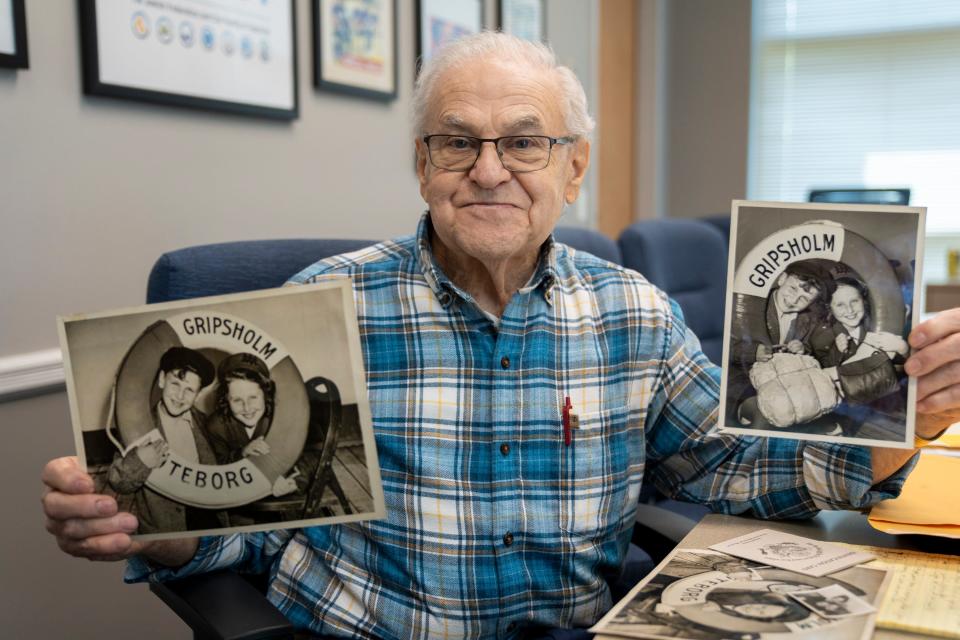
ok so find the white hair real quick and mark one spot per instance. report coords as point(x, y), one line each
point(508, 48)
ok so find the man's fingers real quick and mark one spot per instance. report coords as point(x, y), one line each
point(941, 378)
point(936, 328)
point(934, 355)
point(78, 529)
point(65, 474)
point(945, 400)
point(105, 547)
point(63, 506)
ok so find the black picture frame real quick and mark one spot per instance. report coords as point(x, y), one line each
point(19, 59)
point(422, 15)
point(543, 18)
point(93, 85)
point(343, 86)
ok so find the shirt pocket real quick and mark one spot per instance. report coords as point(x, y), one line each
point(593, 470)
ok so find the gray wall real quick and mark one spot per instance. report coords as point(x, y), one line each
point(47, 594)
point(708, 85)
point(92, 190)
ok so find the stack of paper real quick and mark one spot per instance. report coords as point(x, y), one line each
point(950, 439)
point(764, 584)
point(929, 503)
point(924, 593)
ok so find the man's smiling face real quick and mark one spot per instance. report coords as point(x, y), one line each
point(489, 213)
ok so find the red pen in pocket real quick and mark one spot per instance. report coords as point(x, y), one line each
point(567, 432)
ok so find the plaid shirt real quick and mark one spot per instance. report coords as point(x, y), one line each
point(493, 523)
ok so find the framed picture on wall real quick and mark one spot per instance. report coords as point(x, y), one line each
point(355, 47)
point(525, 19)
point(234, 57)
point(443, 21)
point(13, 35)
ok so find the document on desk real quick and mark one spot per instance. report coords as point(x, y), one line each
point(702, 594)
point(950, 439)
point(923, 595)
point(929, 503)
point(803, 555)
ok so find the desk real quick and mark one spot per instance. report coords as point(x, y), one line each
point(835, 526)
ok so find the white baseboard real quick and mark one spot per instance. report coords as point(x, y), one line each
point(28, 373)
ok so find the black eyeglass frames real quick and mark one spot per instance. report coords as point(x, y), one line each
point(518, 154)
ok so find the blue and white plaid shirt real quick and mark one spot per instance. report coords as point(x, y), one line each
point(491, 518)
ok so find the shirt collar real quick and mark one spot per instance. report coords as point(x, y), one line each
point(544, 276)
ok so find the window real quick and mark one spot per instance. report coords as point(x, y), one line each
point(859, 93)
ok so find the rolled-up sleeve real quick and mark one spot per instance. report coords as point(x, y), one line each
point(248, 552)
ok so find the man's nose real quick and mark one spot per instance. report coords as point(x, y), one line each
point(488, 170)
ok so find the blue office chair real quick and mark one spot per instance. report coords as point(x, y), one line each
point(225, 605)
point(686, 258)
point(860, 196)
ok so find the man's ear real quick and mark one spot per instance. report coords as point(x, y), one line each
point(161, 379)
point(781, 279)
point(579, 161)
point(421, 150)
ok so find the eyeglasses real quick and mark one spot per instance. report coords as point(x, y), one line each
point(518, 154)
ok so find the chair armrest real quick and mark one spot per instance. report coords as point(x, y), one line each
point(670, 518)
point(223, 606)
point(660, 526)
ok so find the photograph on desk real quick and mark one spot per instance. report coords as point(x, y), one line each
point(820, 301)
point(242, 412)
point(700, 594)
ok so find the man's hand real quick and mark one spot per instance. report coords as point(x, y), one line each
point(87, 525)
point(256, 447)
point(153, 453)
point(935, 363)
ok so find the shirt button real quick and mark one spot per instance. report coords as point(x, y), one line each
point(505, 362)
point(512, 626)
point(508, 538)
point(505, 449)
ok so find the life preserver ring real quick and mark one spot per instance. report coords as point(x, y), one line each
point(757, 273)
point(210, 485)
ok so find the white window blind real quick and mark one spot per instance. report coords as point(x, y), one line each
point(857, 93)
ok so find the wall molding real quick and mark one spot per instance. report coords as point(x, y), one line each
point(31, 373)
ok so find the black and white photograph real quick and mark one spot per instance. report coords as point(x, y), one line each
point(833, 602)
point(820, 301)
point(699, 594)
point(239, 412)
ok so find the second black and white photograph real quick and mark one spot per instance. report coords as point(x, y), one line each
point(238, 412)
point(820, 301)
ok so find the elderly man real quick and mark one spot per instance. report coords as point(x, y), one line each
point(477, 333)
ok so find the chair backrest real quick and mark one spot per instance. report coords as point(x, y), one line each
point(687, 259)
point(861, 196)
point(590, 241)
point(231, 267)
point(722, 222)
